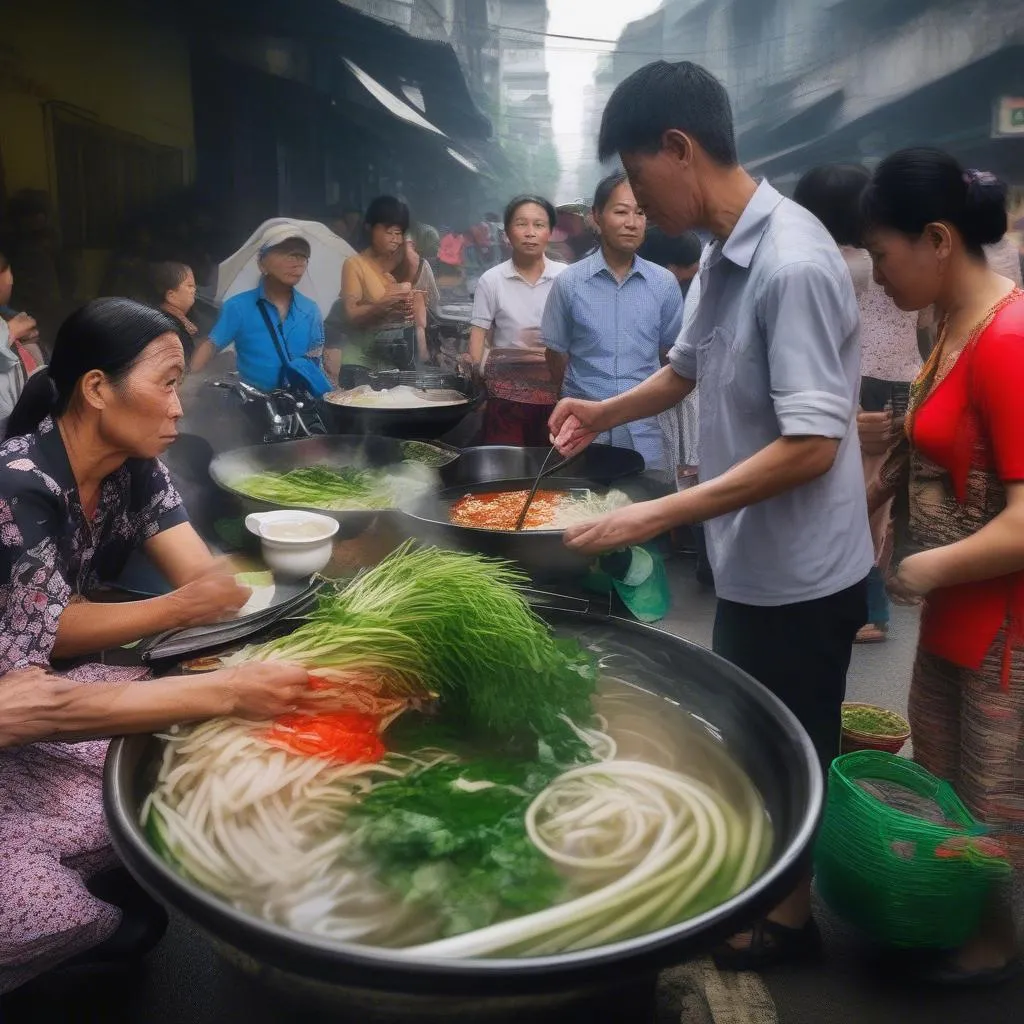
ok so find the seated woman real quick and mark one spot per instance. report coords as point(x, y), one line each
point(61, 895)
point(385, 315)
point(81, 487)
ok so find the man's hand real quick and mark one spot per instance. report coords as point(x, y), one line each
point(620, 529)
point(574, 424)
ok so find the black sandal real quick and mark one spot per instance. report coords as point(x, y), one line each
point(771, 945)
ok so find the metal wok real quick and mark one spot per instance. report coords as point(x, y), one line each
point(601, 463)
point(422, 422)
point(605, 985)
point(541, 553)
point(229, 468)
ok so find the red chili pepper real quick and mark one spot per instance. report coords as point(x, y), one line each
point(344, 736)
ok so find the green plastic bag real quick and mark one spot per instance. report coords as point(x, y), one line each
point(638, 576)
point(899, 855)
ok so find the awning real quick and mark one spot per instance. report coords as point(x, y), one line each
point(390, 101)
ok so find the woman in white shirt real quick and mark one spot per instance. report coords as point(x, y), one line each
point(504, 344)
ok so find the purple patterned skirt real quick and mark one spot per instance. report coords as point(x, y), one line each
point(52, 840)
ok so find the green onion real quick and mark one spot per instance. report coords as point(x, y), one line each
point(321, 487)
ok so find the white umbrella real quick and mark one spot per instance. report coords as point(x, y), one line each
point(322, 280)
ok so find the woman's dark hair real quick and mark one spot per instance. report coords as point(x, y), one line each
point(166, 277)
point(833, 193)
point(389, 211)
point(661, 97)
point(524, 200)
point(105, 334)
point(4, 261)
point(666, 251)
point(605, 188)
point(917, 187)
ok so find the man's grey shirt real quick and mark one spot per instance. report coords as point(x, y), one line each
point(774, 345)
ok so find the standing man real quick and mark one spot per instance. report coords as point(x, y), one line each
point(611, 318)
point(773, 343)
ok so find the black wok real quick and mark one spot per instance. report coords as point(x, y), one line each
point(541, 553)
point(338, 451)
point(601, 463)
point(423, 422)
point(372, 985)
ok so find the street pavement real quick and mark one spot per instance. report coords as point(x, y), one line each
point(183, 982)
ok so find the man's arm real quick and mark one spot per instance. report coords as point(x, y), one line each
point(804, 313)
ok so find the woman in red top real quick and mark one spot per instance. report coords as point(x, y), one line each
point(962, 465)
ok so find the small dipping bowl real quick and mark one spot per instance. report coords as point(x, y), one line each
point(294, 544)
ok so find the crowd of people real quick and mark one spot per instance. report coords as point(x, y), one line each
point(858, 353)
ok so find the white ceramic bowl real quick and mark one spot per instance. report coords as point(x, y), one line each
point(294, 544)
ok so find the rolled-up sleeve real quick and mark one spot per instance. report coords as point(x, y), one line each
point(556, 324)
point(807, 321)
point(485, 304)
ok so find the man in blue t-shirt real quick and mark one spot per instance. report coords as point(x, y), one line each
point(248, 319)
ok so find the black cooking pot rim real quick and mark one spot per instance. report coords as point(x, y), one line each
point(132, 847)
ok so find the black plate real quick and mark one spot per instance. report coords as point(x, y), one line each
point(290, 599)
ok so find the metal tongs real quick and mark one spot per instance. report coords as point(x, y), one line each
point(544, 472)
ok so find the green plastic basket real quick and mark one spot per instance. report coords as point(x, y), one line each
point(900, 857)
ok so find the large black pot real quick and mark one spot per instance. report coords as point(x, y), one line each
point(229, 468)
point(425, 422)
point(374, 985)
point(602, 463)
point(541, 553)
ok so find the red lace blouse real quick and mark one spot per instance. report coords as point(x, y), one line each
point(973, 420)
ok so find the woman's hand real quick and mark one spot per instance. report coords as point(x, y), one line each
point(22, 327)
point(914, 579)
point(574, 424)
point(876, 433)
point(620, 529)
point(212, 597)
point(263, 690)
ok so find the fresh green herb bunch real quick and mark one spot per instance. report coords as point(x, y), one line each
point(455, 623)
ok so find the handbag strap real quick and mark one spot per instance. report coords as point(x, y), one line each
point(282, 353)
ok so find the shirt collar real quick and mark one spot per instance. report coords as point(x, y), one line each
point(295, 306)
point(742, 243)
point(599, 263)
point(55, 459)
point(511, 272)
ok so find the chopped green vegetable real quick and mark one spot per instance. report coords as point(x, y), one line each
point(347, 488)
point(873, 721)
point(453, 838)
point(426, 454)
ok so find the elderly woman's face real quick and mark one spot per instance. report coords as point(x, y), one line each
point(386, 240)
point(285, 265)
point(139, 414)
